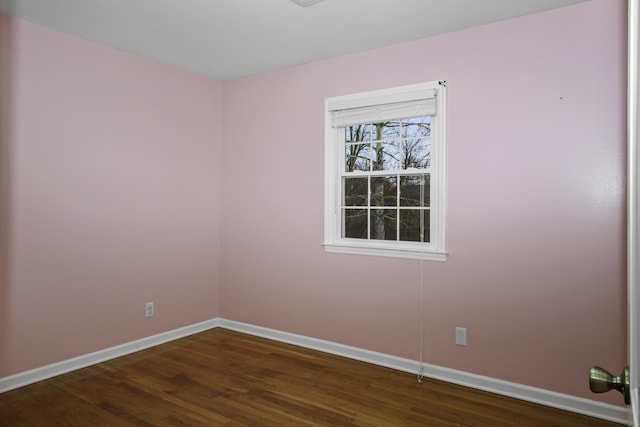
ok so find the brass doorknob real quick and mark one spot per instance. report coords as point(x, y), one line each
point(601, 381)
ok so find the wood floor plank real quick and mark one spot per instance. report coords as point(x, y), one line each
point(224, 378)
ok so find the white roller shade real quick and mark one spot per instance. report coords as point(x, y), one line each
point(383, 108)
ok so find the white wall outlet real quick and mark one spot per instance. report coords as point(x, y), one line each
point(461, 336)
point(148, 309)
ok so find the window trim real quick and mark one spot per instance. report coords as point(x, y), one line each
point(333, 242)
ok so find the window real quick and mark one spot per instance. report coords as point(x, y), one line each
point(385, 161)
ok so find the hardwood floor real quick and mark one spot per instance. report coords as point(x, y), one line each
point(224, 378)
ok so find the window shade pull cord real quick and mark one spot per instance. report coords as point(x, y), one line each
point(421, 368)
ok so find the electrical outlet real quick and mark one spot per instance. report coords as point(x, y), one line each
point(148, 309)
point(461, 336)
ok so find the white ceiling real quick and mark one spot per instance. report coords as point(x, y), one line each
point(225, 39)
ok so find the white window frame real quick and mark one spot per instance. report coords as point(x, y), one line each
point(435, 250)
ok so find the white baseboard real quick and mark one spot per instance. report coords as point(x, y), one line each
point(566, 402)
point(29, 377)
point(531, 394)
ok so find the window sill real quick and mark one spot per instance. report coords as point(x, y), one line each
point(385, 251)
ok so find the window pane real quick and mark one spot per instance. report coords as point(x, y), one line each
point(416, 153)
point(414, 225)
point(416, 147)
point(384, 190)
point(415, 190)
point(360, 133)
point(384, 224)
point(355, 133)
point(386, 155)
point(357, 157)
point(355, 191)
point(355, 223)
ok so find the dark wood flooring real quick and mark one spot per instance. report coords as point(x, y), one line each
point(224, 378)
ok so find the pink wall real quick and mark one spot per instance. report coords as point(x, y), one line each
point(112, 191)
point(536, 211)
point(4, 180)
point(111, 165)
